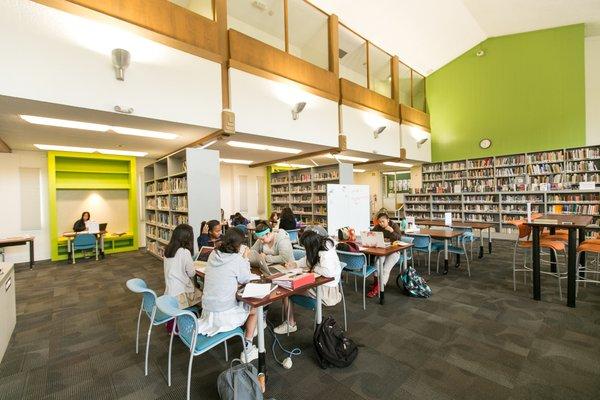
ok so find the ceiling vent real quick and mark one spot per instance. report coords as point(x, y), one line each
point(342, 53)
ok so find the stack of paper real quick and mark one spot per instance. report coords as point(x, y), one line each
point(257, 290)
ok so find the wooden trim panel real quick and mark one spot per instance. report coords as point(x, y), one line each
point(354, 95)
point(413, 116)
point(162, 17)
point(334, 45)
point(260, 56)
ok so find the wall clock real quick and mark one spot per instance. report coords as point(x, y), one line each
point(485, 143)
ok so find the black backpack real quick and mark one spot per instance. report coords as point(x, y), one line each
point(332, 346)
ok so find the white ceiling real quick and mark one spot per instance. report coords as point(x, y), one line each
point(427, 34)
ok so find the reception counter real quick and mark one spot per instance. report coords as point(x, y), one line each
point(8, 305)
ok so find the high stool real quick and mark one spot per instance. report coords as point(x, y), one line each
point(588, 246)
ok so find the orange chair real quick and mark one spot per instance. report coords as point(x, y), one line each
point(588, 246)
point(549, 246)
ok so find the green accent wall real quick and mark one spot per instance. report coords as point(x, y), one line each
point(527, 93)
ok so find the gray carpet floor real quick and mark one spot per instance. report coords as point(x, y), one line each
point(475, 338)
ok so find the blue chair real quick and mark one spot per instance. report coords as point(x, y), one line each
point(84, 241)
point(468, 236)
point(409, 253)
point(311, 304)
point(187, 324)
point(299, 254)
point(356, 264)
point(460, 249)
point(423, 244)
point(293, 235)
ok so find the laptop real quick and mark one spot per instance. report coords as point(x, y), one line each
point(204, 253)
point(102, 226)
point(256, 261)
point(372, 239)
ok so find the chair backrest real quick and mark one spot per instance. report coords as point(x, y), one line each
point(407, 239)
point(293, 233)
point(242, 228)
point(299, 253)
point(421, 240)
point(84, 240)
point(138, 285)
point(353, 261)
point(524, 230)
point(187, 323)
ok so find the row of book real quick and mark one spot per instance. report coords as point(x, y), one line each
point(280, 199)
point(521, 208)
point(151, 216)
point(151, 230)
point(301, 189)
point(178, 219)
point(320, 188)
point(301, 198)
point(155, 247)
point(481, 163)
point(544, 169)
point(333, 174)
point(455, 165)
point(446, 207)
point(179, 203)
point(510, 160)
point(578, 154)
point(164, 234)
point(320, 209)
point(481, 173)
point(162, 202)
point(151, 202)
point(279, 189)
point(162, 218)
point(162, 186)
point(588, 209)
point(432, 176)
point(454, 175)
point(150, 188)
point(574, 198)
point(510, 171)
point(178, 184)
point(301, 177)
point(279, 179)
point(320, 198)
point(591, 177)
point(482, 207)
point(522, 198)
point(546, 156)
point(481, 198)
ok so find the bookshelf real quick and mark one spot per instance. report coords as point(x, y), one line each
point(305, 190)
point(174, 194)
point(497, 189)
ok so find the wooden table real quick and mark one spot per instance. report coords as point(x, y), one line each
point(476, 225)
point(276, 295)
point(381, 253)
point(71, 235)
point(20, 241)
point(574, 224)
point(441, 234)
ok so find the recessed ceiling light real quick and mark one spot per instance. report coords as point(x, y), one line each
point(53, 147)
point(264, 147)
point(396, 172)
point(346, 158)
point(234, 161)
point(88, 126)
point(143, 132)
point(65, 123)
point(359, 170)
point(290, 165)
point(397, 164)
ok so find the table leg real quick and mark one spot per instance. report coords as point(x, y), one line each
point(319, 309)
point(582, 256)
point(380, 261)
point(572, 268)
point(481, 243)
point(535, 253)
point(552, 254)
point(68, 250)
point(405, 264)
point(490, 240)
point(262, 361)
point(445, 256)
point(31, 256)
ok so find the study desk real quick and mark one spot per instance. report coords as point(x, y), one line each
point(480, 226)
point(574, 224)
point(276, 295)
point(441, 234)
point(20, 241)
point(381, 253)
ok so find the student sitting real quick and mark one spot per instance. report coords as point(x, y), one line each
point(179, 267)
point(274, 220)
point(391, 231)
point(321, 258)
point(238, 219)
point(287, 221)
point(272, 247)
point(210, 233)
point(81, 224)
point(221, 312)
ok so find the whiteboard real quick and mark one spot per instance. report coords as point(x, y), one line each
point(348, 205)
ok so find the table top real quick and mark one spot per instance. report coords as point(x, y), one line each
point(384, 251)
point(17, 239)
point(564, 221)
point(437, 233)
point(73, 234)
point(458, 224)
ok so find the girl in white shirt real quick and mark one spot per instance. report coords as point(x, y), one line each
point(321, 258)
point(179, 267)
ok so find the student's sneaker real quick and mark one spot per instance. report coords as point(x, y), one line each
point(251, 352)
point(285, 328)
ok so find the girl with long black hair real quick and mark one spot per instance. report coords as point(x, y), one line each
point(179, 267)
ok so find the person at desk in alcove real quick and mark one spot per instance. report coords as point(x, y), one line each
point(81, 224)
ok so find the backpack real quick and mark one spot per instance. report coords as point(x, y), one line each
point(346, 233)
point(350, 247)
point(239, 382)
point(332, 347)
point(413, 284)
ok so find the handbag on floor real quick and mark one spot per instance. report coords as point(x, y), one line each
point(239, 382)
point(413, 284)
point(332, 346)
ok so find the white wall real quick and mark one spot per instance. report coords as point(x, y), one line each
point(592, 89)
point(409, 137)
point(373, 179)
point(359, 125)
point(110, 206)
point(66, 59)
point(10, 204)
point(230, 190)
point(264, 107)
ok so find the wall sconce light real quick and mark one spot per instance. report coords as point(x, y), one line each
point(378, 131)
point(420, 142)
point(120, 61)
point(297, 109)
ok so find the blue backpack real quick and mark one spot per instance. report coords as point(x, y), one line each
point(413, 284)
